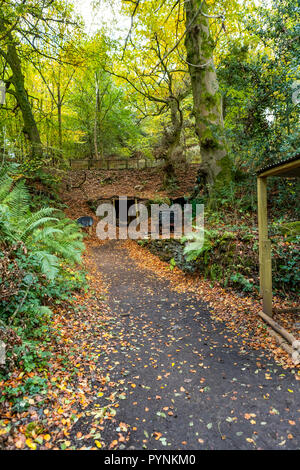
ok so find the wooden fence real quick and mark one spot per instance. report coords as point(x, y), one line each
point(115, 164)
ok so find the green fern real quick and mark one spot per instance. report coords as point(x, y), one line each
point(199, 243)
point(49, 263)
point(50, 240)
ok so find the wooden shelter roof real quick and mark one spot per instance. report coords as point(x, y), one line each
point(286, 168)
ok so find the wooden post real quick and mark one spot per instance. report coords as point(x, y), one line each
point(265, 264)
point(267, 276)
point(262, 222)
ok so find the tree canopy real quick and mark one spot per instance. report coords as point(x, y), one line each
point(208, 81)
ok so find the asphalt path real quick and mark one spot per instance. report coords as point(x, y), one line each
point(185, 381)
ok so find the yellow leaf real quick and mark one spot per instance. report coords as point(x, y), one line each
point(30, 444)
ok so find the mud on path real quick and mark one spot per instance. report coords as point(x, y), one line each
point(183, 381)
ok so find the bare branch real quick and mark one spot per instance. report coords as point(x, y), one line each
point(131, 26)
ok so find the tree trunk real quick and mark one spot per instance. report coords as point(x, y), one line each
point(20, 93)
point(207, 98)
point(96, 123)
point(59, 113)
point(59, 116)
point(173, 143)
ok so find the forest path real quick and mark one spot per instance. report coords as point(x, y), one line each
point(185, 381)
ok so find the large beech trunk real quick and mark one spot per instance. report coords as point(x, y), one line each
point(20, 94)
point(207, 98)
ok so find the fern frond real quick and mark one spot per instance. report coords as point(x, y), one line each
point(35, 225)
point(18, 200)
point(71, 252)
point(43, 234)
point(49, 264)
point(5, 185)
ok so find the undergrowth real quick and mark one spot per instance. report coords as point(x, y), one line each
point(40, 254)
